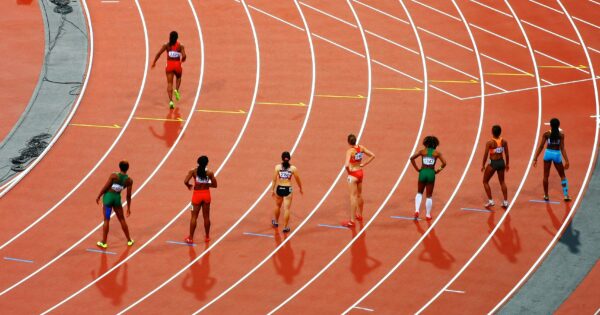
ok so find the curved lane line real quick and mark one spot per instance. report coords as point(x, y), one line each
point(587, 175)
point(476, 142)
point(506, 213)
point(392, 191)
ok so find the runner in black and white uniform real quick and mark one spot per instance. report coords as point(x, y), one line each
point(282, 190)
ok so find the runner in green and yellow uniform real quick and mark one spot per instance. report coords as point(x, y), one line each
point(111, 200)
point(429, 156)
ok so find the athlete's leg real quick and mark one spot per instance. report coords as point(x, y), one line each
point(277, 210)
point(121, 217)
point(177, 80)
point(429, 201)
point(194, 219)
point(206, 217)
point(419, 196)
point(352, 188)
point(106, 225)
point(563, 178)
point(487, 175)
point(547, 165)
point(170, 85)
point(361, 202)
point(287, 204)
point(503, 184)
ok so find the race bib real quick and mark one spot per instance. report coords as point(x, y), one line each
point(174, 54)
point(358, 156)
point(285, 174)
point(116, 187)
point(429, 161)
point(499, 150)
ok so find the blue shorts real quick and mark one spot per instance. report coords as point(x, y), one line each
point(553, 156)
point(107, 212)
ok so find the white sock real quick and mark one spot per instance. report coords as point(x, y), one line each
point(428, 205)
point(418, 199)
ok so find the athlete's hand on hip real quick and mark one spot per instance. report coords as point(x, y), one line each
point(98, 200)
point(566, 165)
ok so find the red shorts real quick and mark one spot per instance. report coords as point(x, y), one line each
point(175, 67)
point(358, 174)
point(200, 196)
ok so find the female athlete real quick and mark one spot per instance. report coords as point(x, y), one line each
point(555, 152)
point(495, 148)
point(204, 179)
point(175, 56)
point(354, 167)
point(282, 190)
point(111, 200)
point(429, 156)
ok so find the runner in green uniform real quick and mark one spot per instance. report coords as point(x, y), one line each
point(429, 156)
point(111, 200)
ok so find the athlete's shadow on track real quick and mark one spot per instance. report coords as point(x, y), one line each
point(198, 281)
point(109, 286)
point(434, 252)
point(506, 239)
point(570, 236)
point(171, 128)
point(283, 260)
point(360, 257)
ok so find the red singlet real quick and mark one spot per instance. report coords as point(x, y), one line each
point(174, 59)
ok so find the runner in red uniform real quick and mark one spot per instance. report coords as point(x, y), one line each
point(354, 167)
point(175, 56)
point(204, 179)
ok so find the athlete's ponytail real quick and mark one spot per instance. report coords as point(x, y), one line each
point(173, 36)
point(285, 160)
point(202, 163)
point(554, 131)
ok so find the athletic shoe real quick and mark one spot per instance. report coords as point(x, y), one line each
point(490, 203)
point(286, 229)
point(177, 95)
point(189, 240)
point(102, 245)
point(359, 217)
point(546, 198)
point(207, 239)
point(505, 204)
point(567, 198)
point(171, 105)
point(416, 215)
point(348, 224)
point(428, 217)
point(130, 242)
point(274, 223)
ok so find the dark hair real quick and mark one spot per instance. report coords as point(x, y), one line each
point(431, 142)
point(124, 166)
point(496, 131)
point(351, 139)
point(173, 38)
point(202, 162)
point(554, 131)
point(285, 159)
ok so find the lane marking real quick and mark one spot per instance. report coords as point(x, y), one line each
point(239, 111)
point(332, 226)
point(160, 119)
point(358, 96)
point(258, 234)
point(364, 309)
point(586, 22)
point(398, 89)
point(527, 89)
point(544, 201)
point(401, 217)
point(455, 81)
point(18, 259)
point(546, 6)
point(180, 243)
point(510, 74)
point(383, 12)
point(299, 104)
point(564, 67)
point(476, 210)
point(100, 251)
point(455, 291)
point(438, 11)
point(110, 1)
point(114, 126)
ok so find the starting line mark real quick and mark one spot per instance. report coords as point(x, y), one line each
point(455, 291)
point(114, 126)
point(19, 260)
point(544, 201)
point(258, 234)
point(100, 251)
point(400, 217)
point(476, 210)
point(299, 104)
point(333, 226)
point(364, 309)
point(180, 243)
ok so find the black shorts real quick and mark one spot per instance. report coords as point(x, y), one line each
point(498, 165)
point(284, 191)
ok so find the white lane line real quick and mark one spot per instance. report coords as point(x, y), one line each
point(392, 42)
point(110, 1)
point(445, 39)
point(437, 10)
point(342, 171)
point(15, 180)
point(561, 62)
point(587, 175)
point(521, 185)
point(338, 45)
point(329, 15)
point(462, 178)
point(595, 2)
point(550, 32)
point(382, 12)
point(586, 22)
point(546, 6)
point(364, 309)
point(251, 208)
point(528, 89)
point(455, 291)
point(512, 67)
point(491, 8)
point(497, 35)
point(276, 18)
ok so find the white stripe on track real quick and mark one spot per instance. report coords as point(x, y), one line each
point(587, 175)
point(467, 167)
point(4, 189)
point(392, 191)
point(316, 208)
point(527, 171)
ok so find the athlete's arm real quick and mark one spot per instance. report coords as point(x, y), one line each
point(274, 182)
point(563, 151)
point(370, 154)
point(213, 179)
point(129, 196)
point(347, 162)
point(162, 49)
point(485, 155)
point(443, 162)
point(183, 55)
point(186, 181)
point(540, 148)
point(412, 160)
point(507, 156)
point(106, 187)
point(297, 177)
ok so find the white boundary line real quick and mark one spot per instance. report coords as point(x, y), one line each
point(316, 208)
point(467, 167)
point(527, 171)
point(587, 175)
point(392, 191)
point(5, 188)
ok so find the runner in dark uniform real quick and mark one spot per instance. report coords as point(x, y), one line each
point(495, 148)
point(429, 156)
point(555, 152)
point(282, 190)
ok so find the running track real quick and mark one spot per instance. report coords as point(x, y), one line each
point(357, 52)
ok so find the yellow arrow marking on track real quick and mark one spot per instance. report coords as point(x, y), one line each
point(115, 126)
point(398, 89)
point(455, 81)
point(341, 96)
point(161, 119)
point(515, 74)
point(239, 111)
point(564, 67)
point(299, 104)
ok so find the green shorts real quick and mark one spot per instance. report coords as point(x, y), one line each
point(111, 199)
point(427, 175)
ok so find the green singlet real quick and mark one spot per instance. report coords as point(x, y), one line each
point(427, 173)
point(112, 197)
